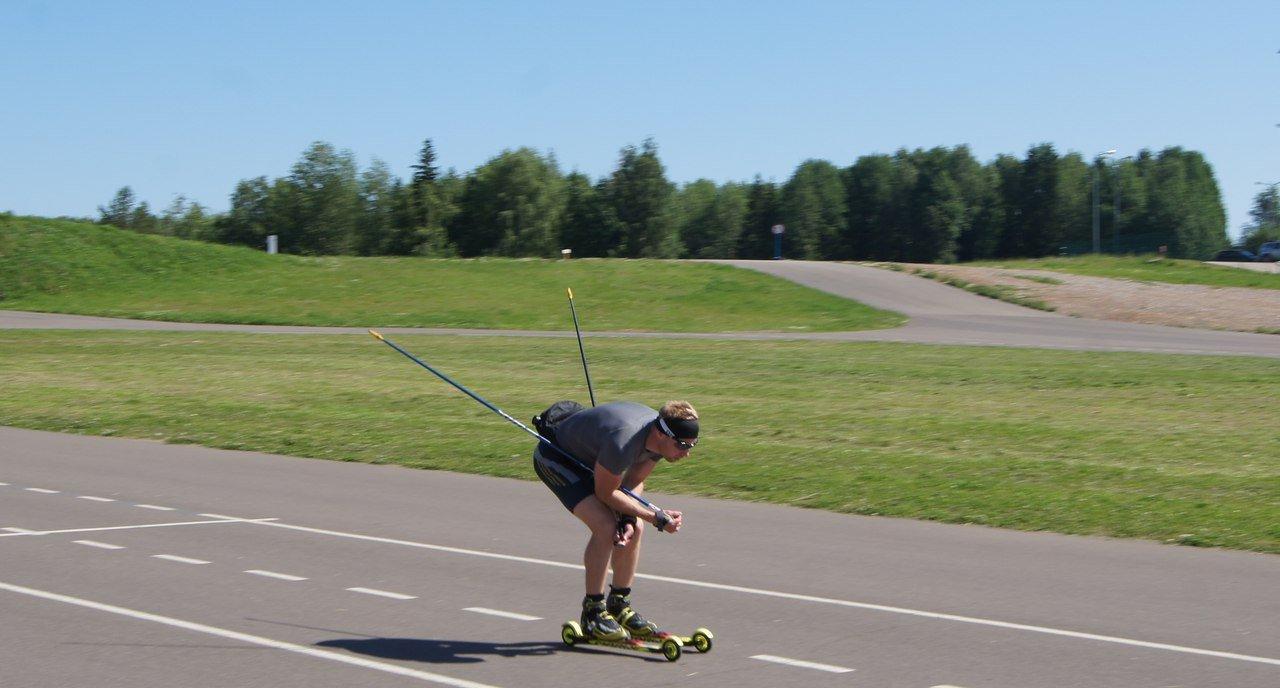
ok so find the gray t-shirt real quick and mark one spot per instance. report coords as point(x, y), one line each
point(611, 435)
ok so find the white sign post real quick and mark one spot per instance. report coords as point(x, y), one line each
point(777, 240)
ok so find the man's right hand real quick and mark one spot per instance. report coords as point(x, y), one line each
point(673, 520)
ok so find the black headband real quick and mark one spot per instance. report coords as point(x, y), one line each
point(678, 428)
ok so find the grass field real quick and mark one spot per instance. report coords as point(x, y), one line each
point(1145, 269)
point(75, 267)
point(1171, 448)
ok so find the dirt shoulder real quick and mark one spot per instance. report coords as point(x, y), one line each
point(1154, 303)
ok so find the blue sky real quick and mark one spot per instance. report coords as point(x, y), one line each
point(170, 98)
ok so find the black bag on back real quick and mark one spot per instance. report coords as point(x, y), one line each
point(547, 421)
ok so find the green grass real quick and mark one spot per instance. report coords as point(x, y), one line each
point(1041, 279)
point(1170, 448)
point(1148, 268)
point(75, 267)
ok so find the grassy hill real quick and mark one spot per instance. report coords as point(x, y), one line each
point(76, 267)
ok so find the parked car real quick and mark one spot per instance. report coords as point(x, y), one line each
point(1269, 251)
point(1235, 255)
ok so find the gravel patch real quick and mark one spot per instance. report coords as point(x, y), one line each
point(1153, 303)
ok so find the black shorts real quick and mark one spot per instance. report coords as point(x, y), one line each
point(570, 482)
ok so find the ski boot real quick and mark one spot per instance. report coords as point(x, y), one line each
point(599, 624)
point(619, 605)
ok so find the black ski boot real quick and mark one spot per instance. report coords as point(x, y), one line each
point(619, 606)
point(599, 624)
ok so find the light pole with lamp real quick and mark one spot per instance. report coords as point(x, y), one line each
point(1097, 219)
point(1115, 216)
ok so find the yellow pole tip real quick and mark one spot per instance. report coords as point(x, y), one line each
point(374, 333)
point(570, 291)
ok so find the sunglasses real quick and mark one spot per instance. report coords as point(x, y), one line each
point(687, 446)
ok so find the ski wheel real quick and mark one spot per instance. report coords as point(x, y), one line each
point(671, 649)
point(702, 640)
point(569, 633)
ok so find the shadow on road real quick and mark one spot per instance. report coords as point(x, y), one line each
point(438, 651)
point(433, 651)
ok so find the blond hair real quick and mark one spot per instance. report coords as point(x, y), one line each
point(681, 410)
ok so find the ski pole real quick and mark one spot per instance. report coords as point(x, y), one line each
point(581, 351)
point(647, 504)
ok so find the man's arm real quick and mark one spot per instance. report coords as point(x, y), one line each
point(633, 479)
point(609, 492)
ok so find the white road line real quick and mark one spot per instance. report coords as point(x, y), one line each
point(41, 490)
point(4, 484)
point(246, 638)
point(273, 574)
point(505, 615)
point(19, 531)
point(944, 686)
point(233, 518)
point(420, 545)
point(383, 593)
point(95, 499)
point(154, 507)
point(796, 596)
point(180, 560)
point(803, 664)
point(99, 545)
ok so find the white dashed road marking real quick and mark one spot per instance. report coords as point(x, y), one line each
point(20, 531)
point(99, 545)
point(95, 499)
point(803, 664)
point(154, 507)
point(505, 615)
point(383, 593)
point(181, 560)
point(41, 490)
point(273, 574)
point(1132, 642)
point(246, 638)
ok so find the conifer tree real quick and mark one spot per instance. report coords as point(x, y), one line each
point(120, 211)
point(641, 199)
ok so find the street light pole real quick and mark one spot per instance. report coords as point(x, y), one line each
point(1097, 212)
point(1115, 219)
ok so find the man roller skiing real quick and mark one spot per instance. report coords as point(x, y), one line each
point(623, 442)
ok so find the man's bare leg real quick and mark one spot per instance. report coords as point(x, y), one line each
point(602, 522)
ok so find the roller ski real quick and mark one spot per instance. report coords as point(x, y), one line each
point(640, 628)
point(628, 631)
point(671, 647)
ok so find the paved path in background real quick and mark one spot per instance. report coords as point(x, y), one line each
point(135, 563)
point(939, 314)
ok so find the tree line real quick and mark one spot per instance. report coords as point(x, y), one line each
point(1265, 214)
point(934, 205)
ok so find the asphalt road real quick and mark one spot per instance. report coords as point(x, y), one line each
point(939, 314)
point(218, 568)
